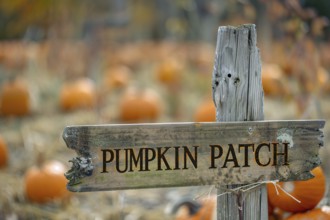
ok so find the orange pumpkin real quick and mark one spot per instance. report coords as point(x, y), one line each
point(273, 80)
point(309, 193)
point(139, 106)
point(15, 98)
point(46, 183)
point(322, 76)
point(277, 214)
point(3, 153)
point(323, 79)
point(78, 94)
point(205, 112)
point(205, 211)
point(322, 213)
point(117, 76)
point(169, 72)
point(317, 82)
point(270, 209)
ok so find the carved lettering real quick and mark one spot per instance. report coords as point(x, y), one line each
point(174, 158)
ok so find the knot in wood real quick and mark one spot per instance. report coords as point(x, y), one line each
point(236, 81)
point(81, 167)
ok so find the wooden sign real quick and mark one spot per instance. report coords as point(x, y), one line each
point(115, 157)
point(238, 149)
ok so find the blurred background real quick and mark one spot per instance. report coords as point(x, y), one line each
point(127, 61)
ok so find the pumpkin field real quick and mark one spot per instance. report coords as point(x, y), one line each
point(144, 71)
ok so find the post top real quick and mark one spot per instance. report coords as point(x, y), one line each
point(243, 26)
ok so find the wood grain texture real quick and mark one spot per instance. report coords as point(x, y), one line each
point(238, 96)
point(88, 141)
point(236, 82)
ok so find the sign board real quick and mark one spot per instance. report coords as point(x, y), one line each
point(131, 156)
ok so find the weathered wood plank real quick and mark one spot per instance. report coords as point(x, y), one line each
point(113, 157)
point(238, 96)
point(236, 83)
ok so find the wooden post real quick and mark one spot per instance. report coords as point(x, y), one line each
point(238, 96)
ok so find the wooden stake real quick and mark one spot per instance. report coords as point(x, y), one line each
point(238, 96)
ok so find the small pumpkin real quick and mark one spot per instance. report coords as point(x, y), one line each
point(319, 81)
point(117, 76)
point(78, 94)
point(3, 153)
point(273, 80)
point(15, 98)
point(309, 193)
point(139, 105)
point(323, 79)
point(169, 72)
point(46, 182)
point(322, 76)
point(322, 213)
point(205, 112)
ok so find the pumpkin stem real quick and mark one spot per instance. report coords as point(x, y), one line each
point(41, 158)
